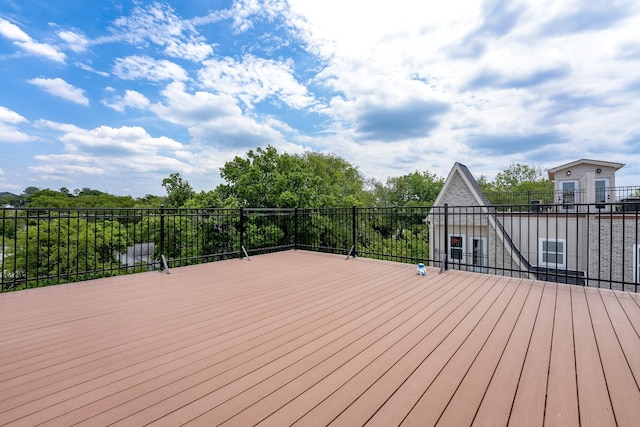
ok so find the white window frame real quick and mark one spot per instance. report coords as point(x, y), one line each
point(462, 247)
point(541, 252)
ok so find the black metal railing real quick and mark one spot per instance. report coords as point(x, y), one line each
point(589, 245)
point(532, 200)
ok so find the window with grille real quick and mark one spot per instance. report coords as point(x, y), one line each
point(552, 253)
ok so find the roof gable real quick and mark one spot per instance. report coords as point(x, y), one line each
point(461, 172)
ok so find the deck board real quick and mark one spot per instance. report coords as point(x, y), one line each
point(497, 402)
point(300, 338)
point(593, 394)
point(462, 406)
point(623, 389)
point(529, 402)
point(446, 383)
point(562, 392)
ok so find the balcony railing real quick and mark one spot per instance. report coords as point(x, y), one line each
point(590, 245)
point(603, 198)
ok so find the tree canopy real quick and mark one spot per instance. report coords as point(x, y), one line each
point(178, 190)
point(515, 181)
point(414, 189)
point(265, 178)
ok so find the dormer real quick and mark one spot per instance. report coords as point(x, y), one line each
point(584, 181)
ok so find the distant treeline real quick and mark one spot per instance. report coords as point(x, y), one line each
point(266, 178)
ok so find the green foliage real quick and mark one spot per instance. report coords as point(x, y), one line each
point(415, 189)
point(150, 201)
point(205, 199)
point(338, 183)
point(267, 179)
point(60, 247)
point(179, 191)
point(85, 199)
point(519, 184)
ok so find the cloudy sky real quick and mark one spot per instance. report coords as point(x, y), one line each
point(116, 95)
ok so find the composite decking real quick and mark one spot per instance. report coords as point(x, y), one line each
point(300, 338)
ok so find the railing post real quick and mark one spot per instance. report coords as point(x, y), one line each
point(161, 229)
point(4, 231)
point(295, 229)
point(446, 236)
point(241, 231)
point(353, 229)
point(161, 232)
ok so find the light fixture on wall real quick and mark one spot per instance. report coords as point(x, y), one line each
point(568, 172)
point(598, 170)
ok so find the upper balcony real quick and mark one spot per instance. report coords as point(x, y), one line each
point(604, 199)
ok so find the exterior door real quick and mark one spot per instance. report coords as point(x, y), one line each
point(602, 194)
point(478, 251)
point(569, 195)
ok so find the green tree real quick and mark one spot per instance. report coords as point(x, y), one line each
point(519, 177)
point(150, 201)
point(60, 248)
point(267, 179)
point(205, 199)
point(519, 184)
point(49, 199)
point(338, 182)
point(414, 189)
point(178, 190)
point(30, 190)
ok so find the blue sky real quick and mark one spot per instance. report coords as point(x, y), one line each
point(116, 95)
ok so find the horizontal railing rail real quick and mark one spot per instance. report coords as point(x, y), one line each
point(590, 244)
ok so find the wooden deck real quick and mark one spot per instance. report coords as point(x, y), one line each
point(312, 339)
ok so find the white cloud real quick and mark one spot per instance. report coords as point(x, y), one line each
point(71, 169)
point(192, 50)
point(8, 129)
point(12, 134)
point(112, 159)
point(131, 99)
point(9, 116)
point(243, 11)
point(61, 89)
point(189, 110)
point(26, 43)
point(255, 79)
point(214, 119)
point(117, 142)
point(89, 68)
point(147, 68)
point(158, 23)
point(76, 42)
